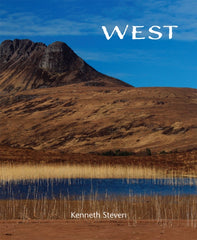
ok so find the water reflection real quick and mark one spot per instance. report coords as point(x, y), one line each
point(76, 189)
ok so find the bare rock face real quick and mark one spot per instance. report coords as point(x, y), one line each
point(59, 58)
point(6, 51)
point(14, 50)
point(28, 65)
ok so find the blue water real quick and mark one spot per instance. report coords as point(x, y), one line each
point(96, 188)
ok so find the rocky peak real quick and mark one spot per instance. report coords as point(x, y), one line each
point(58, 57)
point(6, 50)
point(13, 50)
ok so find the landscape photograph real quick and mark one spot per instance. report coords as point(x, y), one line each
point(98, 120)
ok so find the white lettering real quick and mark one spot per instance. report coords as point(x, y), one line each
point(155, 32)
point(114, 215)
point(170, 30)
point(116, 29)
point(73, 215)
point(137, 30)
point(134, 32)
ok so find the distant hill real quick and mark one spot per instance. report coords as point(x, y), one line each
point(85, 119)
point(27, 65)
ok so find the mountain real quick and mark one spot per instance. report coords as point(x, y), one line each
point(51, 99)
point(27, 65)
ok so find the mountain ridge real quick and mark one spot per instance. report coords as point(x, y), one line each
point(27, 65)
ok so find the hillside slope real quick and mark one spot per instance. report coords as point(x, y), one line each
point(82, 119)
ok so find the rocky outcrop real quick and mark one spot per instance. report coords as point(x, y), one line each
point(28, 65)
point(12, 51)
point(59, 58)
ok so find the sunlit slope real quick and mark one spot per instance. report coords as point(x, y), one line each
point(90, 119)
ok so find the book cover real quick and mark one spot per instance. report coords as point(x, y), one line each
point(98, 119)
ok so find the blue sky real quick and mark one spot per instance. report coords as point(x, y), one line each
point(78, 23)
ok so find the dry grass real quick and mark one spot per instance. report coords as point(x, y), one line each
point(136, 207)
point(91, 119)
point(24, 172)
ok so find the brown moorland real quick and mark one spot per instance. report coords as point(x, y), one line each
point(81, 119)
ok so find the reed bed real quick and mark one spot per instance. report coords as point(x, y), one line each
point(136, 207)
point(58, 171)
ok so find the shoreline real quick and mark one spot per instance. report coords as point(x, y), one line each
point(97, 229)
point(181, 160)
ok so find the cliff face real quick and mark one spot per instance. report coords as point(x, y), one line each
point(12, 51)
point(28, 65)
point(59, 58)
